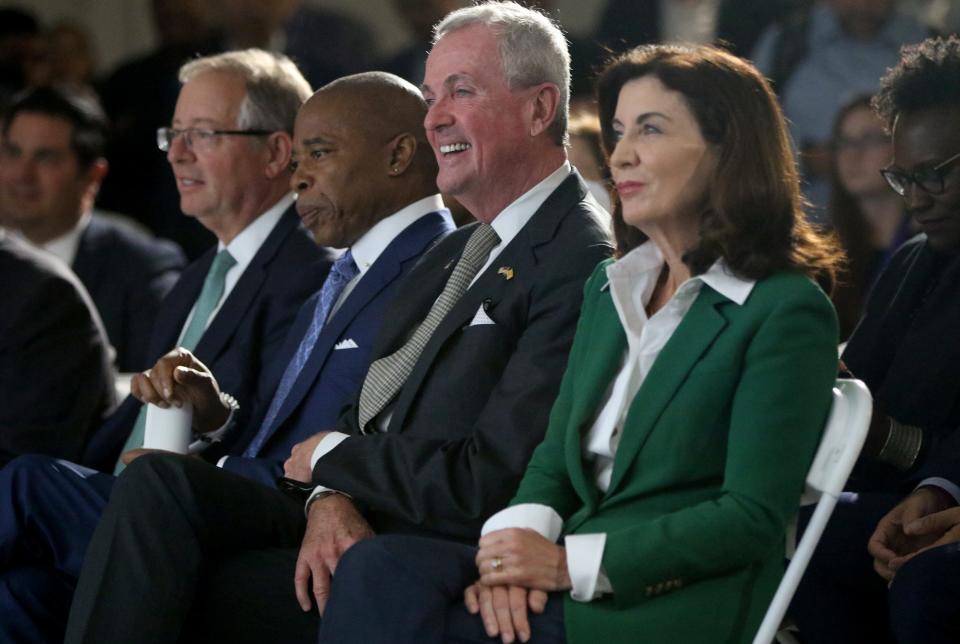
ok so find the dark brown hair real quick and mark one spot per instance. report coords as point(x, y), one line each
point(753, 216)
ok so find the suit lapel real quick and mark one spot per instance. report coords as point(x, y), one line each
point(410, 243)
point(691, 339)
point(519, 254)
point(593, 378)
point(228, 318)
point(176, 306)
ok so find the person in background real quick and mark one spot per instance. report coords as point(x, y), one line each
point(869, 218)
point(697, 387)
point(866, 574)
point(821, 56)
point(56, 384)
point(586, 155)
point(51, 166)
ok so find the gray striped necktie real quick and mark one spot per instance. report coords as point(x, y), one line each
point(387, 375)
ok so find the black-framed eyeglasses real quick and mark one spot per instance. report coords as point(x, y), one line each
point(929, 180)
point(202, 137)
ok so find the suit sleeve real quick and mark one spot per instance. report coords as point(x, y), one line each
point(546, 480)
point(262, 470)
point(450, 485)
point(55, 381)
point(776, 417)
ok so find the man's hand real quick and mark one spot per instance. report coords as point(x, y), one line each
point(943, 526)
point(333, 525)
point(179, 377)
point(890, 541)
point(297, 467)
point(521, 557)
point(504, 609)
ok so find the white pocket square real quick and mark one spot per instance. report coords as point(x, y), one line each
point(481, 317)
point(345, 344)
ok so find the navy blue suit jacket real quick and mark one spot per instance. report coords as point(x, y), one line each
point(248, 329)
point(332, 376)
point(127, 273)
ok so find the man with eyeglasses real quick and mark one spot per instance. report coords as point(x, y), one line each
point(230, 149)
point(888, 566)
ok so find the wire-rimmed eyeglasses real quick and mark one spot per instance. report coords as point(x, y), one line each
point(929, 180)
point(202, 137)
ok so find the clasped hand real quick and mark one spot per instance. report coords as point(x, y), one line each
point(919, 522)
point(517, 567)
point(179, 377)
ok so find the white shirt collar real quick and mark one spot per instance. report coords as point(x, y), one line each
point(515, 216)
point(647, 257)
point(372, 243)
point(245, 245)
point(65, 246)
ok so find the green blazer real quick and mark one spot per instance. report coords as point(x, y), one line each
point(710, 466)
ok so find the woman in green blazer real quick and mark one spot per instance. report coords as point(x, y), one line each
point(696, 390)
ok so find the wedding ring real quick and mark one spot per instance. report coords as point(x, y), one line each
point(497, 564)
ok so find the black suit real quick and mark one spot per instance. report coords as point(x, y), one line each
point(249, 327)
point(461, 432)
point(127, 273)
point(55, 379)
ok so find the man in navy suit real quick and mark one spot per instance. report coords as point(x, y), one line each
point(235, 183)
point(51, 166)
point(481, 327)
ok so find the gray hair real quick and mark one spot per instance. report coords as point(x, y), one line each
point(532, 48)
point(275, 87)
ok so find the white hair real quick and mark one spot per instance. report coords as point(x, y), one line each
point(275, 87)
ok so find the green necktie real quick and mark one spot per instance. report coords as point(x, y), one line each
point(210, 296)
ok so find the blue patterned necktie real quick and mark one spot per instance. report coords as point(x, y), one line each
point(210, 295)
point(343, 270)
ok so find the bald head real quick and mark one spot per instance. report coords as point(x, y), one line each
point(360, 154)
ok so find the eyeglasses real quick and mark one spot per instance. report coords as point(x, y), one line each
point(202, 137)
point(930, 180)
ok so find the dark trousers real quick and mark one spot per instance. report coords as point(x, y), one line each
point(841, 598)
point(167, 560)
point(924, 598)
point(403, 590)
point(48, 511)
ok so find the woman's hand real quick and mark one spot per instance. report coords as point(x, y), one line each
point(521, 557)
point(504, 609)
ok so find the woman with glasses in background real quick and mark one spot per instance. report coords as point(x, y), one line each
point(869, 218)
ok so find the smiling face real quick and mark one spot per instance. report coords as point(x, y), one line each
point(479, 129)
point(45, 188)
point(226, 180)
point(341, 169)
point(923, 139)
point(661, 164)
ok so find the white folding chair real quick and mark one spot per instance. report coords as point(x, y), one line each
point(839, 448)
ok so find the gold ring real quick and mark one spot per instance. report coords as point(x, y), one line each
point(497, 564)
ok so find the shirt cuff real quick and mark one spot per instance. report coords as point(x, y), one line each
point(584, 555)
point(538, 517)
point(223, 459)
point(946, 485)
point(326, 444)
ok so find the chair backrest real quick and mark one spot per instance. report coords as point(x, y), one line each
point(842, 440)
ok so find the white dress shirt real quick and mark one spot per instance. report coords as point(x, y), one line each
point(507, 224)
point(631, 281)
point(243, 247)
